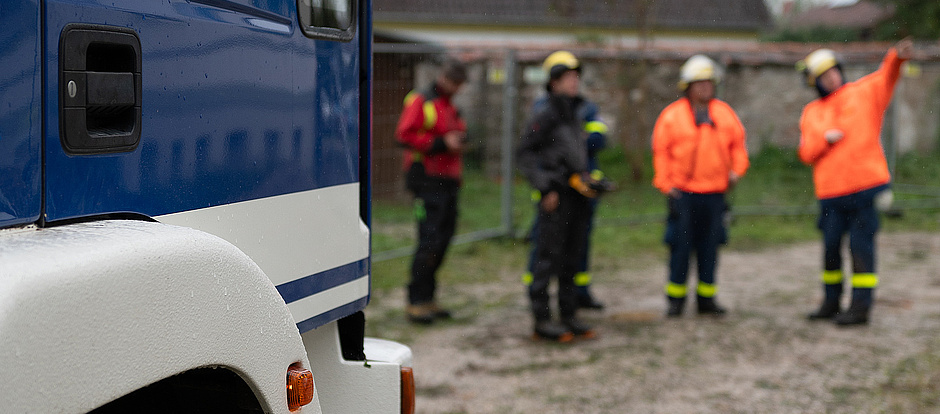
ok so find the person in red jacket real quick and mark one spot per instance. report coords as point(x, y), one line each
point(434, 136)
point(840, 139)
point(698, 154)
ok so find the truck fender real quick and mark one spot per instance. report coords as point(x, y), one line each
point(92, 311)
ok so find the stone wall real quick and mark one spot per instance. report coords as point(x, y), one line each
point(768, 99)
point(631, 92)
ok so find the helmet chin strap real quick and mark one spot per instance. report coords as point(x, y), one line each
point(823, 91)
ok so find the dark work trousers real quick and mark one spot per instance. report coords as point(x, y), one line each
point(559, 246)
point(436, 212)
point(695, 223)
point(583, 291)
point(856, 215)
point(585, 255)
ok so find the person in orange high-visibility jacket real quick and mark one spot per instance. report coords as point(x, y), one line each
point(698, 154)
point(840, 139)
point(433, 135)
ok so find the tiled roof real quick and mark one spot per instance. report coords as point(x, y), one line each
point(747, 15)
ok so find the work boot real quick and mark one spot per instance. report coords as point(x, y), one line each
point(675, 307)
point(579, 328)
point(828, 310)
point(832, 295)
point(857, 314)
point(709, 306)
point(422, 314)
point(589, 302)
point(546, 329)
point(439, 312)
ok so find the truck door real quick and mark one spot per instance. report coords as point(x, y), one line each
point(20, 113)
point(240, 118)
point(161, 107)
point(232, 101)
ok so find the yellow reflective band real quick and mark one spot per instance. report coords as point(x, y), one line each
point(410, 98)
point(706, 290)
point(597, 175)
point(674, 290)
point(430, 115)
point(595, 126)
point(582, 279)
point(832, 277)
point(536, 195)
point(864, 280)
point(527, 278)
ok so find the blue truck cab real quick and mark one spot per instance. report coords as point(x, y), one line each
point(185, 209)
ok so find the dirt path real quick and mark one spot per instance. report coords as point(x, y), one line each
point(763, 358)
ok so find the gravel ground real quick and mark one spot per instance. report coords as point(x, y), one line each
point(764, 357)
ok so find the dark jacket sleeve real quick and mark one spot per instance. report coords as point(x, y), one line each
point(535, 137)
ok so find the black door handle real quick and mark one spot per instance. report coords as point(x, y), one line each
point(111, 89)
point(100, 89)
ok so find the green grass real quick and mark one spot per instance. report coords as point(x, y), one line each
point(773, 204)
point(478, 262)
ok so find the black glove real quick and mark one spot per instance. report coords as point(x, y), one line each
point(600, 183)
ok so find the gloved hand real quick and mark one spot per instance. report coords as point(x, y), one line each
point(884, 200)
point(591, 185)
point(834, 135)
point(582, 184)
point(600, 183)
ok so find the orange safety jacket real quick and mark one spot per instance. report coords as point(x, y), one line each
point(857, 162)
point(697, 158)
point(426, 117)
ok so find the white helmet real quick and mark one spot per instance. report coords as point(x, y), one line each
point(816, 63)
point(697, 68)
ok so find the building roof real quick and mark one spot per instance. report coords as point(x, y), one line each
point(860, 15)
point(734, 15)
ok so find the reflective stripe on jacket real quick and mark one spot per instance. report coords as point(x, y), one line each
point(857, 162)
point(426, 117)
point(697, 158)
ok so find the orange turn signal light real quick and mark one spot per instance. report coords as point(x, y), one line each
point(299, 387)
point(407, 390)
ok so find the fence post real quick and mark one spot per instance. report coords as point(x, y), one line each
point(510, 92)
point(889, 139)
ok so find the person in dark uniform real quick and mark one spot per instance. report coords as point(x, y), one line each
point(595, 132)
point(552, 158)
